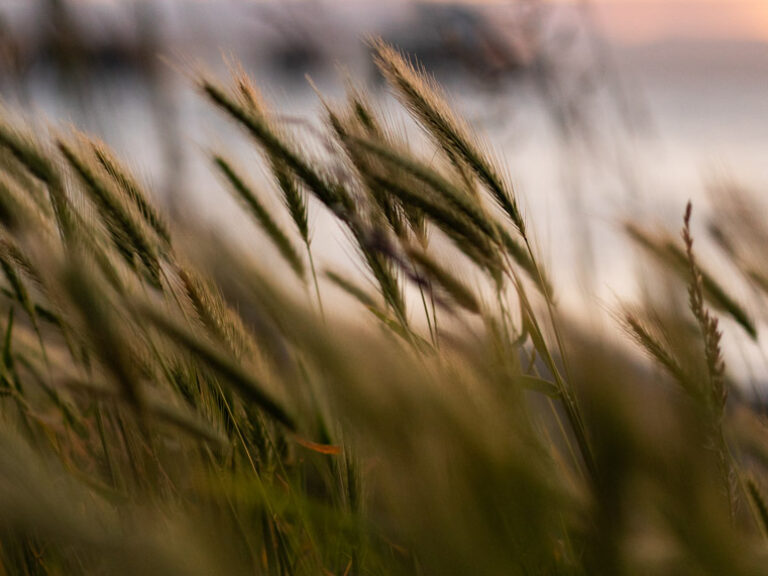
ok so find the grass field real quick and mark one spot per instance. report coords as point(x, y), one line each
point(171, 406)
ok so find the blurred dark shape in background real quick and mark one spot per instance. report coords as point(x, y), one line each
point(288, 38)
point(447, 38)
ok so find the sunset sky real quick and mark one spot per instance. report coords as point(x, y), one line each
point(648, 20)
point(639, 20)
point(644, 20)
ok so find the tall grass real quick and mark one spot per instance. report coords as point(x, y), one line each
point(168, 406)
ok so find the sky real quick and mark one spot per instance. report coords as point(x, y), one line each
point(649, 20)
point(654, 20)
point(643, 21)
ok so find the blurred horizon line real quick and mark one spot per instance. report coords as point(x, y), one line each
point(625, 21)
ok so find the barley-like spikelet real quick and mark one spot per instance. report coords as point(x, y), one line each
point(361, 108)
point(293, 197)
point(220, 362)
point(249, 199)
point(454, 196)
point(708, 324)
point(673, 256)
point(458, 217)
point(331, 194)
point(423, 98)
point(128, 184)
point(126, 230)
point(464, 234)
point(14, 171)
point(373, 245)
point(365, 114)
point(384, 273)
point(714, 292)
point(334, 196)
point(292, 194)
point(15, 252)
point(15, 212)
point(711, 335)
point(655, 348)
point(21, 259)
point(247, 93)
point(29, 154)
point(344, 127)
point(221, 321)
point(448, 281)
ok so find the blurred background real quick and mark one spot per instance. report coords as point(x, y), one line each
point(600, 110)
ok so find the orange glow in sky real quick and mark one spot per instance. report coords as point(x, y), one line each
point(649, 20)
point(652, 20)
point(646, 20)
